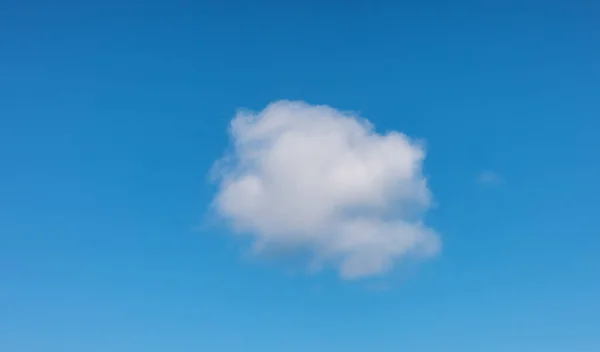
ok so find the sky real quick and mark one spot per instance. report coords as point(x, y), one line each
point(298, 176)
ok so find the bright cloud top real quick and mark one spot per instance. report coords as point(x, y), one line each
point(323, 182)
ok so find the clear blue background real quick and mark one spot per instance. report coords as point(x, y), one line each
point(111, 113)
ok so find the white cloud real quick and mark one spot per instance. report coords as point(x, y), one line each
point(489, 177)
point(323, 182)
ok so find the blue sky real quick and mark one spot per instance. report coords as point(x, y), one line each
point(112, 113)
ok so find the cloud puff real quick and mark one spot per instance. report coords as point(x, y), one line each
point(488, 178)
point(323, 182)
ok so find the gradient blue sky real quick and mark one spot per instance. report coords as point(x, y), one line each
point(112, 112)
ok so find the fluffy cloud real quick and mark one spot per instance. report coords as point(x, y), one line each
point(322, 182)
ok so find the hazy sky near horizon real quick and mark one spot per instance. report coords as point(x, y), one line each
point(294, 176)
